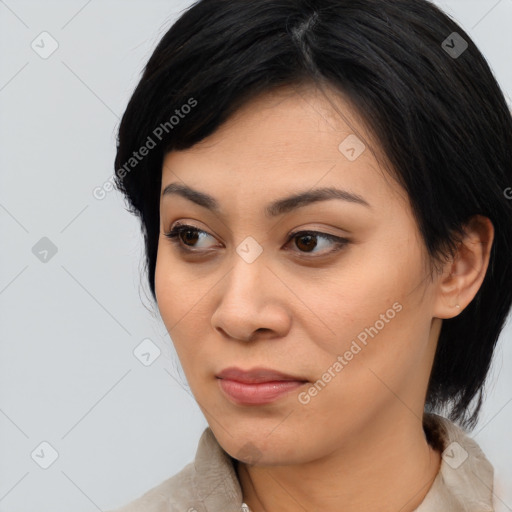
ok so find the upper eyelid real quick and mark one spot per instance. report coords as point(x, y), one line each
point(179, 225)
point(330, 236)
point(195, 228)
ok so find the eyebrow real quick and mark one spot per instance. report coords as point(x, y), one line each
point(274, 209)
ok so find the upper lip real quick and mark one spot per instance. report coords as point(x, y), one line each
point(255, 375)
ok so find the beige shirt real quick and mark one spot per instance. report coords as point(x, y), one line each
point(210, 484)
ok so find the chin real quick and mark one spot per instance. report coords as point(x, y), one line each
point(256, 446)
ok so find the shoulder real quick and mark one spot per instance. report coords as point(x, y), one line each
point(208, 483)
point(465, 479)
point(166, 496)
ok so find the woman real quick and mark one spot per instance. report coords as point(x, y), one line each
point(322, 187)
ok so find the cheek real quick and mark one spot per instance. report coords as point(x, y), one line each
point(377, 311)
point(367, 368)
point(175, 296)
point(372, 295)
point(182, 294)
point(178, 285)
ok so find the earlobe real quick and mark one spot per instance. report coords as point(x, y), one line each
point(464, 274)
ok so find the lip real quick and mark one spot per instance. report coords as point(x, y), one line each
point(256, 375)
point(257, 394)
point(256, 386)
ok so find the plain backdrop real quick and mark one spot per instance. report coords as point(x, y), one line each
point(73, 305)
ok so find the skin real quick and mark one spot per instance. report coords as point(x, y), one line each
point(359, 443)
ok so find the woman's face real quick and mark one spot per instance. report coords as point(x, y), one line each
point(348, 309)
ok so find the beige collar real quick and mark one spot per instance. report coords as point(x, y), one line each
point(210, 484)
point(464, 482)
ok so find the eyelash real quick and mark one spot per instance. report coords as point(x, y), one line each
point(174, 236)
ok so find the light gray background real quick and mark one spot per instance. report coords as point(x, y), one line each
point(69, 325)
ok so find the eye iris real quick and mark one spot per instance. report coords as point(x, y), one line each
point(187, 232)
point(308, 243)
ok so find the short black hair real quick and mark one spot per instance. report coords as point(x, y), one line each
point(423, 90)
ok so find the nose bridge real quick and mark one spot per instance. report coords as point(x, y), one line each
point(248, 300)
point(248, 272)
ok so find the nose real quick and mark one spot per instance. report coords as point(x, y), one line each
point(252, 302)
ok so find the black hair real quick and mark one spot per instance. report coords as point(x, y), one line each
point(427, 95)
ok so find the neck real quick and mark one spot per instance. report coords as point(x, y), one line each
point(389, 467)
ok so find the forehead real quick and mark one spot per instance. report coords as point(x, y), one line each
point(286, 139)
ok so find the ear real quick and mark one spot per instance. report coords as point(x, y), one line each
point(463, 275)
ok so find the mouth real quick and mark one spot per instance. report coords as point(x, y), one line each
point(257, 375)
point(256, 386)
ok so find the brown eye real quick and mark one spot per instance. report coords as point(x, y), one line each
point(188, 235)
point(308, 241)
point(185, 236)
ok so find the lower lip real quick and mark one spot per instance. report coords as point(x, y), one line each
point(260, 393)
